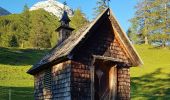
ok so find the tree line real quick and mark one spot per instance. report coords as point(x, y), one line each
point(151, 23)
point(34, 29)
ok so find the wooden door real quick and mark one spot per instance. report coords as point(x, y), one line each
point(105, 82)
point(113, 83)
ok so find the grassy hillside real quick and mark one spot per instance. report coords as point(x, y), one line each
point(13, 77)
point(148, 82)
point(152, 80)
point(16, 28)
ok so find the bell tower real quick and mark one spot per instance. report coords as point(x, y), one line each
point(64, 30)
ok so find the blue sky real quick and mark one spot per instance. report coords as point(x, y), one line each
point(123, 9)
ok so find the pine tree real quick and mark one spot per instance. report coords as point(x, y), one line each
point(133, 31)
point(152, 18)
point(160, 30)
point(142, 15)
point(4, 30)
point(35, 28)
point(79, 19)
point(132, 36)
point(5, 39)
point(39, 36)
point(24, 26)
point(100, 6)
point(13, 42)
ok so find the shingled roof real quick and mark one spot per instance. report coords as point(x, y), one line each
point(61, 52)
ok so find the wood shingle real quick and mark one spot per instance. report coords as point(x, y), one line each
point(62, 52)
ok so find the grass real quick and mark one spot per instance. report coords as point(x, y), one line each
point(14, 63)
point(17, 93)
point(152, 80)
point(148, 82)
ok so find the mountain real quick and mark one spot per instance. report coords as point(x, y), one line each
point(53, 7)
point(4, 12)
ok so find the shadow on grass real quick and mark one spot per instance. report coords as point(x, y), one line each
point(14, 56)
point(150, 87)
point(159, 47)
point(16, 93)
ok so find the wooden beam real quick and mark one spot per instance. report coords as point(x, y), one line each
point(107, 58)
point(92, 68)
point(128, 47)
point(113, 82)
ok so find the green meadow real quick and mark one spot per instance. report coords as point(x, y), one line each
point(152, 80)
point(14, 81)
point(148, 82)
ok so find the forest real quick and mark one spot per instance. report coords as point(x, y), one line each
point(151, 23)
point(34, 29)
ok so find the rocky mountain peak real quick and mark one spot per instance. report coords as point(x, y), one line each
point(53, 7)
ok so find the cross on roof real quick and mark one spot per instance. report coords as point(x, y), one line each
point(65, 3)
point(107, 2)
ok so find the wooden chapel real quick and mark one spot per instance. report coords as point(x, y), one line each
point(90, 64)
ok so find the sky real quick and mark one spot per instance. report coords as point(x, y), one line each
point(122, 9)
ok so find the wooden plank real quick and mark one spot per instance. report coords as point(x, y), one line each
point(125, 41)
point(92, 81)
point(113, 83)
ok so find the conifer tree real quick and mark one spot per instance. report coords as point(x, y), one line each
point(13, 42)
point(152, 18)
point(132, 36)
point(79, 19)
point(34, 28)
point(4, 30)
point(39, 36)
point(160, 30)
point(24, 26)
point(142, 15)
point(100, 6)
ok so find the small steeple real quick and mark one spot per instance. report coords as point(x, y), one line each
point(64, 30)
point(65, 19)
point(108, 1)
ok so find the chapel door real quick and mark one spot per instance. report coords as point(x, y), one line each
point(105, 81)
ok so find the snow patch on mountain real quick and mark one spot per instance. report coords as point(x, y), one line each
point(53, 7)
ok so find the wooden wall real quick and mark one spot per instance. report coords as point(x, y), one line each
point(71, 79)
point(40, 91)
point(61, 81)
point(123, 83)
point(38, 86)
point(80, 81)
point(102, 42)
point(55, 84)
